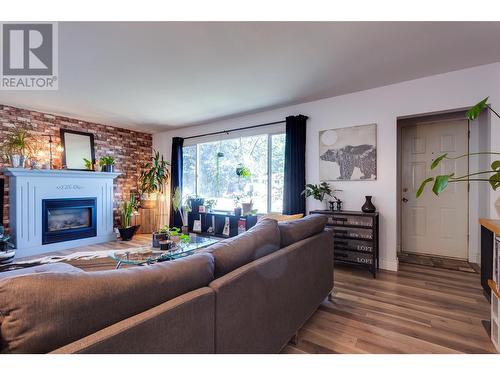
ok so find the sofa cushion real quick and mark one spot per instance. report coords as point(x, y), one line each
point(44, 268)
point(259, 241)
point(45, 311)
point(296, 230)
point(281, 217)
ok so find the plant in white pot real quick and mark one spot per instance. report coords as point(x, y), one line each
point(17, 146)
point(154, 176)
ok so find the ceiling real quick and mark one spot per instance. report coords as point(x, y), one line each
point(163, 75)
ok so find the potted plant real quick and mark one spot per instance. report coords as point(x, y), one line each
point(318, 192)
point(7, 251)
point(237, 201)
point(210, 204)
point(195, 203)
point(88, 164)
point(107, 164)
point(174, 234)
point(154, 176)
point(127, 209)
point(18, 146)
point(182, 208)
point(160, 235)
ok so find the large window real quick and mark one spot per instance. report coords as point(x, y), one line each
point(209, 171)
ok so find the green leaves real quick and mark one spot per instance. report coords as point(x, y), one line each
point(441, 182)
point(475, 111)
point(422, 186)
point(438, 160)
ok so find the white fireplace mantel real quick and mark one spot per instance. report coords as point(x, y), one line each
point(28, 188)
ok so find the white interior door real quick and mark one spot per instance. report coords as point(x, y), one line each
point(434, 225)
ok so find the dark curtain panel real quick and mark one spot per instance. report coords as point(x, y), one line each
point(295, 165)
point(176, 176)
point(1, 200)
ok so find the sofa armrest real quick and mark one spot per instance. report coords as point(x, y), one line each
point(268, 300)
point(184, 324)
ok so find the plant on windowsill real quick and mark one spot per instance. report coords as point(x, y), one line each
point(442, 181)
point(127, 210)
point(154, 176)
point(7, 251)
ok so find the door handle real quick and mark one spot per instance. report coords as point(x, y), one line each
point(404, 200)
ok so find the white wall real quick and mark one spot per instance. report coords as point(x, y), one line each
point(383, 105)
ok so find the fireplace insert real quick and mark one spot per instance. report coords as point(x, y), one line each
point(68, 219)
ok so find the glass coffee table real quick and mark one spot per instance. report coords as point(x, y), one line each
point(148, 255)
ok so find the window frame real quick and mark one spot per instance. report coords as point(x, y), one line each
point(275, 130)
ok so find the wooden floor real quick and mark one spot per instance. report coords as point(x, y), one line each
point(419, 309)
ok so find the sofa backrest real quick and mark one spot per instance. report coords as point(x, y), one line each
point(259, 241)
point(297, 230)
point(44, 311)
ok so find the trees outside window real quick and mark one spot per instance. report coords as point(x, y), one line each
point(209, 171)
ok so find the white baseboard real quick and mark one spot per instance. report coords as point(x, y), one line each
point(389, 264)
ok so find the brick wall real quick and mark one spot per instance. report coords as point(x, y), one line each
point(129, 148)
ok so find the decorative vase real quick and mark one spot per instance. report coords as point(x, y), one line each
point(185, 229)
point(127, 233)
point(237, 211)
point(368, 207)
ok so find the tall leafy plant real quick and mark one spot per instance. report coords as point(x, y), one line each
point(19, 142)
point(154, 175)
point(441, 182)
point(126, 210)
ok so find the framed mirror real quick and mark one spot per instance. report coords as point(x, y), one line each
point(76, 147)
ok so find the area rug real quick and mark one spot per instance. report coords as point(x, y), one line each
point(84, 259)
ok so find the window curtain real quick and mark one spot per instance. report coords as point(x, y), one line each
point(294, 202)
point(176, 177)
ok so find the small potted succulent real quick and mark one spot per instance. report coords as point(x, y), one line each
point(7, 251)
point(127, 209)
point(107, 164)
point(89, 165)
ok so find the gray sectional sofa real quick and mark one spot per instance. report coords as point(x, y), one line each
point(247, 294)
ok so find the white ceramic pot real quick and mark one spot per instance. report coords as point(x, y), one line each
point(15, 160)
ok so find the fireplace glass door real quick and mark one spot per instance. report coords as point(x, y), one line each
point(68, 219)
